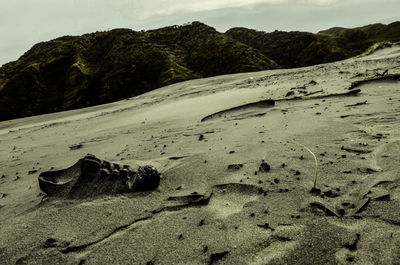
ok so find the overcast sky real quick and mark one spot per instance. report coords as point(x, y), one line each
point(26, 22)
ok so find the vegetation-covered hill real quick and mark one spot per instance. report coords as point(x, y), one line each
point(78, 71)
point(73, 72)
point(297, 49)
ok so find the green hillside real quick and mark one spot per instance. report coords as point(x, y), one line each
point(79, 71)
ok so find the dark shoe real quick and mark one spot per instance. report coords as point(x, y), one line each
point(91, 176)
point(145, 178)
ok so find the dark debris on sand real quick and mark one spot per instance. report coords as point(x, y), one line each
point(235, 166)
point(264, 167)
point(217, 256)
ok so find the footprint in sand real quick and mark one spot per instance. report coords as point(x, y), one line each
point(230, 198)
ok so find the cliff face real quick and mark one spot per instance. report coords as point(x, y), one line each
point(78, 71)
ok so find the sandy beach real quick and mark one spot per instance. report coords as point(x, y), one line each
point(216, 203)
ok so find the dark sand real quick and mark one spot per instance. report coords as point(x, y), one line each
point(205, 211)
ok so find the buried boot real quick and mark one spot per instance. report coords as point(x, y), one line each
point(91, 176)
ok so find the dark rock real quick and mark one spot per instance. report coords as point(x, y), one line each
point(315, 191)
point(217, 256)
point(235, 166)
point(75, 146)
point(378, 136)
point(205, 249)
point(330, 194)
point(264, 167)
point(265, 226)
point(290, 93)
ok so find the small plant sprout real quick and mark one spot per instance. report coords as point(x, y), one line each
point(316, 165)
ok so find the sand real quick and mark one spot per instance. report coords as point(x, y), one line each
point(208, 138)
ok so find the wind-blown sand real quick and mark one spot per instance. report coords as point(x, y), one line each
point(205, 211)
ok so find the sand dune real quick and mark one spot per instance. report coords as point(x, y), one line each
point(206, 211)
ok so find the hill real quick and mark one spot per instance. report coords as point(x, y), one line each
point(298, 49)
point(78, 71)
